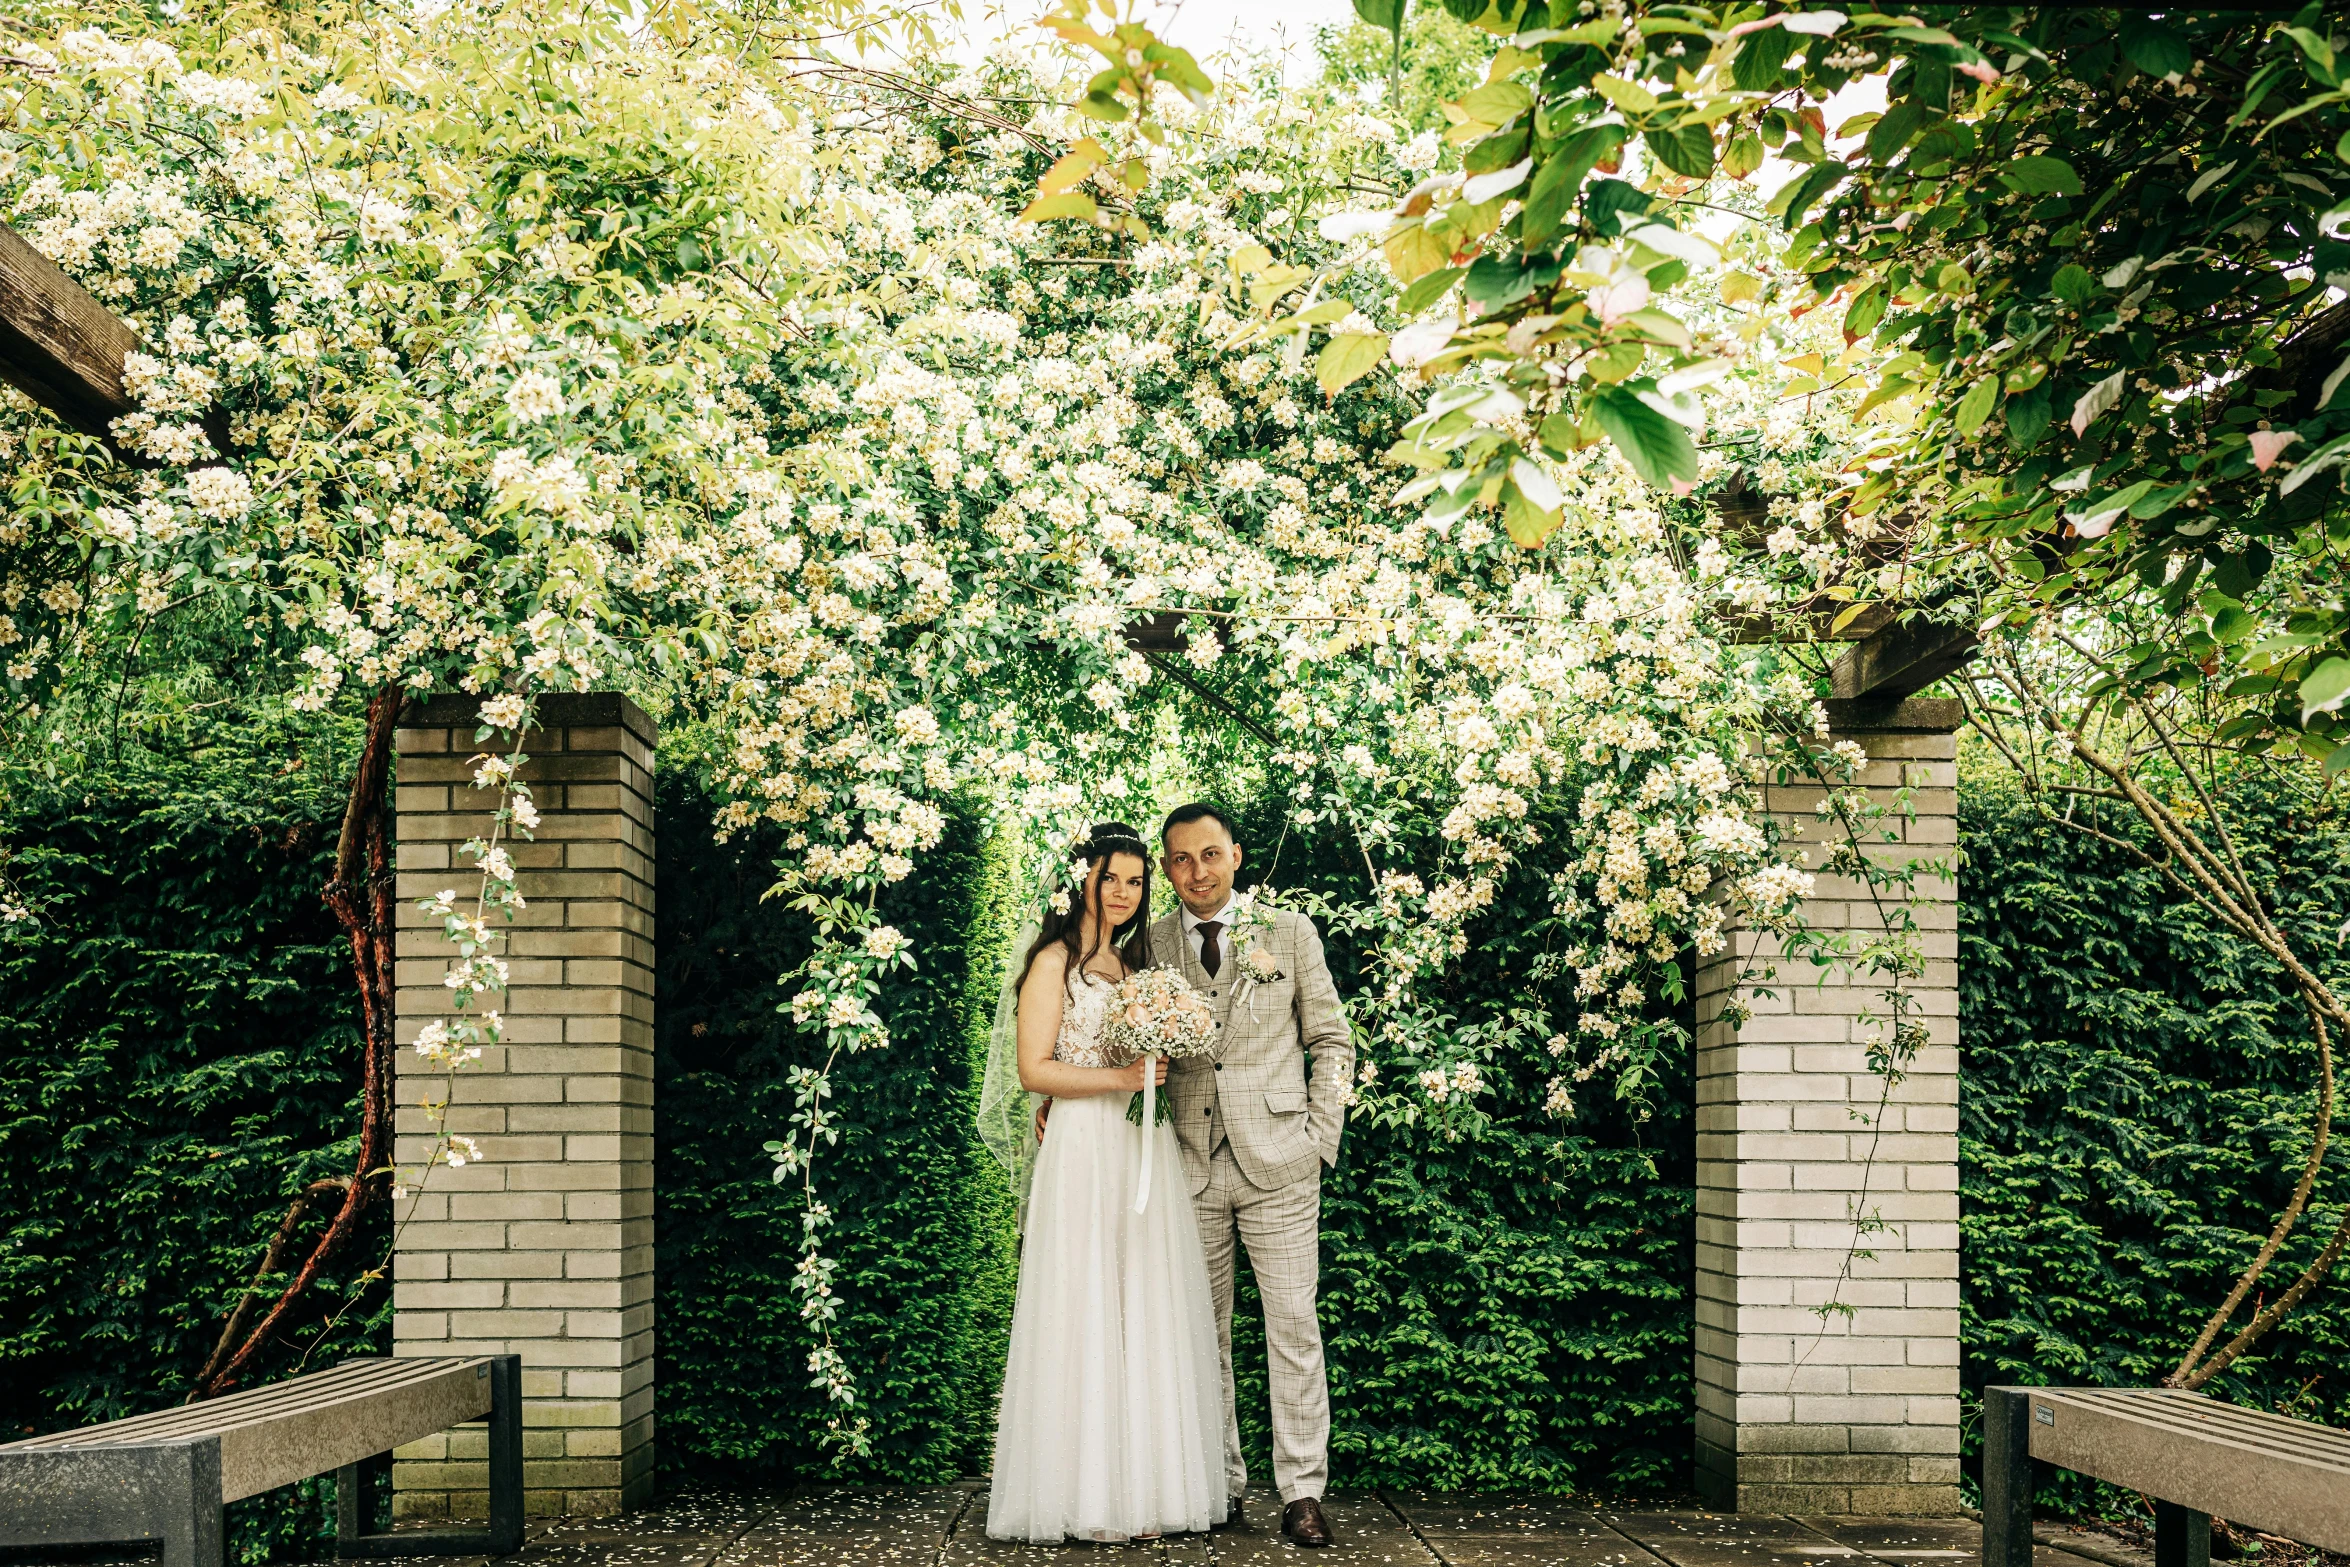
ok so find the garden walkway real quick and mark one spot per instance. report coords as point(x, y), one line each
point(942, 1527)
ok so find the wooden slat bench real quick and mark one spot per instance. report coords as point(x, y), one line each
point(2196, 1457)
point(165, 1476)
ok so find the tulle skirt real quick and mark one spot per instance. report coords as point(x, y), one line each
point(1112, 1424)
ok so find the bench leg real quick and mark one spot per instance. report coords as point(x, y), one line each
point(354, 1503)
point(2182, 1536)
point(506, 1455)
point(355, 1491)
point(2007, 1478)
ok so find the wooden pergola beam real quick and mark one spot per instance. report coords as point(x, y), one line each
point(58, 345)
point(1902, 659)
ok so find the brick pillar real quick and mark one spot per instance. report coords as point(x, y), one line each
point(545, 1247)
point(1856, 1413)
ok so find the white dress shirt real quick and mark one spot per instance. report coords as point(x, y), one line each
point(1192, 923)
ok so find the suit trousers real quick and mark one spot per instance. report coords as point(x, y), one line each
point(1282, 1230)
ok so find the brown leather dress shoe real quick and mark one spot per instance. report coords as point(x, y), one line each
point(1231, 1518)
point(1303, 1522)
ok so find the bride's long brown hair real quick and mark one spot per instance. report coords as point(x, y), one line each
point(1066, 927)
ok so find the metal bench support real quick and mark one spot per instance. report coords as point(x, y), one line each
point(2007, 1478)
point(355, 1491)
point(2182, 1536)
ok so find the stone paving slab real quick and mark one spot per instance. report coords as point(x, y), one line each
point(883, 1527)
point(944, 1526)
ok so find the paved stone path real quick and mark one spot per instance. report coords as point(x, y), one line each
point(943, 1527)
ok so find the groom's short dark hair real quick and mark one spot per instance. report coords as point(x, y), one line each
point(1196, 811)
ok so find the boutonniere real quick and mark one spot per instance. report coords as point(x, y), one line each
point(1253, 919)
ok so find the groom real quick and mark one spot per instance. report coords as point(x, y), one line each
point(1255, 1133)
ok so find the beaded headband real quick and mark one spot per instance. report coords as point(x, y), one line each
point(1114, 843)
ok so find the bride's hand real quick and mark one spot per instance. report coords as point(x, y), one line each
point(1131, 1079)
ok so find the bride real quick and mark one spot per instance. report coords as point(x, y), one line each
point(1112, 1420)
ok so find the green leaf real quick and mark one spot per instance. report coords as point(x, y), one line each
point(1762, 59)
point(1616, 198)
point(1892, 133)
point(1068, 204)
point(1559, 177)
point(2073, 284)
point(1867, 309)
point(1427, 290)
point(2234, 623)
point(1497, 103)
point(1348, 358)
point(1658, 448)
point(2319, 52)
point(1688, 149)
point(1630, 97)
point(1792, 203)
point(2155, 49)
point(1975, 407)
point(2324, 687)
point(2041, 175)
point(1385, 14)
point(2027, 417)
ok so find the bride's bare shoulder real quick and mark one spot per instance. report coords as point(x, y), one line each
point(1051, 965)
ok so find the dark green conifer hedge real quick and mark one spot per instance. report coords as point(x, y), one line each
point(2135, 1108)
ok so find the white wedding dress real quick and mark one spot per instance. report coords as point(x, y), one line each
point(1112, 1424)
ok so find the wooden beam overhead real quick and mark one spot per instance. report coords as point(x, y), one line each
point(1902, 659)
point(59, 346)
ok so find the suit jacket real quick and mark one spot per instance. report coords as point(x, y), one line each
point(1255, 1087)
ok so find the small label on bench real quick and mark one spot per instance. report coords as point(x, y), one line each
point(2043, 1414)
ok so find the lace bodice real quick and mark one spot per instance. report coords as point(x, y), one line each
point(1082, 1015)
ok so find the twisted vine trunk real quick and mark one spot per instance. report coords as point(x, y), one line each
point(361, 895)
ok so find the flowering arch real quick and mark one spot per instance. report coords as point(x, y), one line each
point(774, 412)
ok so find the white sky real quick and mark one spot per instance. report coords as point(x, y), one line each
point(1205, 27)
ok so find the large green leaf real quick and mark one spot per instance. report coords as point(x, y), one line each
point(2041, 175)
point(1386, 14)
point(1762, 60)
point(1658, 448)
point(1559, 177)
point(1686, 149)
point(1892, 133)
point(2323, 688)
point(1794, 201)
point(2155, 49)
point(1349, 357)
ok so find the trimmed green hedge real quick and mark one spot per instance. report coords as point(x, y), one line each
point(924, 1234)
point(178, 1056)
point(2134, 1109)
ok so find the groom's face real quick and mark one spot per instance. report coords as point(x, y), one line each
point(1201, 858)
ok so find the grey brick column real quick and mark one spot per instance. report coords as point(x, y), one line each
point(545, 1247)
point(1840, 1413)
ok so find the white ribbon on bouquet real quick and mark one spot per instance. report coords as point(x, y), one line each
point(1150, 1123)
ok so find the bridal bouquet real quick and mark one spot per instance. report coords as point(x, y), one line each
point(1156, 1013)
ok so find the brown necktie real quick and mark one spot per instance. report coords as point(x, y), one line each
point(1210, 959)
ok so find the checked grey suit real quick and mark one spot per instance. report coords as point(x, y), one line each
point(1255, 1131)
